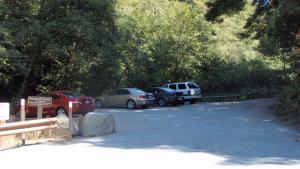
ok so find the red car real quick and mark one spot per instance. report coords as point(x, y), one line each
point(60, 104)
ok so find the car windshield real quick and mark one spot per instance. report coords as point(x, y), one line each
point(137, 91)
point(72, 94)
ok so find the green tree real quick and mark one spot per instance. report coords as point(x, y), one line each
point(48, 45)
point(160, 41)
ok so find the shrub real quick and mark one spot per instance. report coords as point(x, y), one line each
point(289, 102)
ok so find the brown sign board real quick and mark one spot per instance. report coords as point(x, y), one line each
point(39, 101)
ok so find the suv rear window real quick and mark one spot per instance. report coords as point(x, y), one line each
point(192, 86)
point(173, 86)
point(181, 86)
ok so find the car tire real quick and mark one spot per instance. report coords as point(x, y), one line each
point(99, 104)
point(193, 101)
point(182, 101)
point(162, 102)
point(131, 104)
point(61, 110)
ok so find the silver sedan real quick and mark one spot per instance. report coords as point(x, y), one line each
point(125, 97)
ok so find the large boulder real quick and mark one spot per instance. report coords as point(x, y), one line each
point(63, 124)
point(96, 124)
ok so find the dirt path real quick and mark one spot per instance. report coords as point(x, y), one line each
point(214, 135)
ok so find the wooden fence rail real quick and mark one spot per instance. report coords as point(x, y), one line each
point(222, 98)
point(27, 126)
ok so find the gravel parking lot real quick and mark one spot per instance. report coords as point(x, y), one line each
point(213, 135)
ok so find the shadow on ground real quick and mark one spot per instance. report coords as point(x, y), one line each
point(241, 132)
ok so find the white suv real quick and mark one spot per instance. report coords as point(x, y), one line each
point(189, 90)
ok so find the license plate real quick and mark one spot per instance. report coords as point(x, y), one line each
point(180, 98)
point(87, 102)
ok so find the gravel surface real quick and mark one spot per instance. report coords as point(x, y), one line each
point(213, 135)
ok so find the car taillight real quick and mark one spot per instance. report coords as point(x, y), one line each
point(174, 94)
point(142, 96)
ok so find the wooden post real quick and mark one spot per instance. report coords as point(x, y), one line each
point(40, 112)
point(23, 119)
point(4, 115)
point(70, 122)
point(2, 137)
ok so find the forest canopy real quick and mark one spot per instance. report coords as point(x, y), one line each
point(95, 45)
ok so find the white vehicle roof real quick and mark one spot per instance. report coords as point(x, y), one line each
point(179, 82)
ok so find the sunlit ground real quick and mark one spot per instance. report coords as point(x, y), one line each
point(206, 135)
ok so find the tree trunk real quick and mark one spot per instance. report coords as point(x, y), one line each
point(31, 65)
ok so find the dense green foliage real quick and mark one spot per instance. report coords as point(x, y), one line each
point(49, 45)
point(165, 41)
point(95, 45)
point(277, 27)
point(160, 41)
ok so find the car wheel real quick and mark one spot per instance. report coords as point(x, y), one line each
point(61, 110)
point(131, 104)
point(181, 101)
point(99, 104)
point(162, 102)
point(193, 101)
